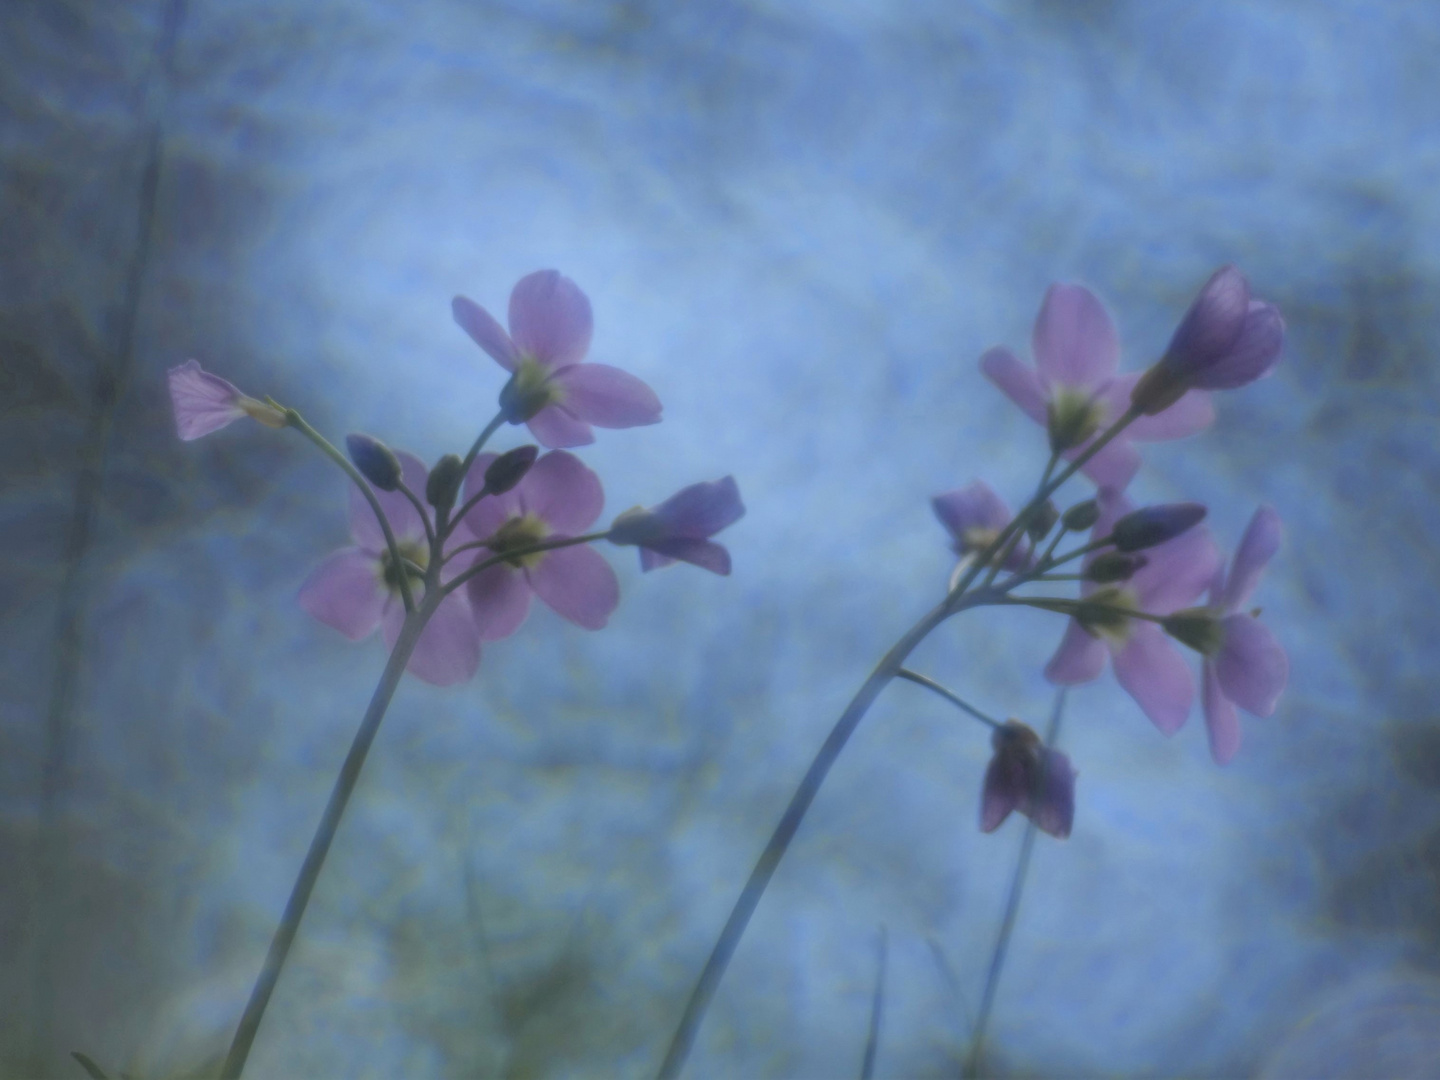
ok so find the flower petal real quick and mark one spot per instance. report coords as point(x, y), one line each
point(550, 319)
point(1079, 659)
point(405, 522)
point(1016, 381)
point(702, 510)
point(490, 512)
point(555, 427)
point(346, 592)
point(563, 492)
point(1114, 466)
point(202, 402)
point(650, 559)
point(1222, 723)
point(578, 584)
point(705, 554)
point(1153, 672)
point(1257, 547)
point(1252, 666)
point(499, 601)
point(1007, 784)
point(485, 331)
point(1178, 571)
point(1254, 353)
point(607, 397)
point(1054, 805)
point(1074, 340)
point(975, 506)
point(448, 651)
point(1212, 324)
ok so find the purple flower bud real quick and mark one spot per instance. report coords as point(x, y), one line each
point(1042, 521)
point(1081, 516)
point(1225, 340)
point(444, 482)
point(681, 526)
point(509, 469)
point(1027, 776)
point(1112, 566)
point(376, 461)
point(1153, 525)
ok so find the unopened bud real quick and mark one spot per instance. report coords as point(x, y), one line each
point(1153, 525)
point(1081, 516)
point(527, 392)
point(637, 526)
point(444, 482)
point(1113, 566)
point(1042, 521)
point(1196, 627)
point(1159, 388)
point(376, 461)
point(509, 469)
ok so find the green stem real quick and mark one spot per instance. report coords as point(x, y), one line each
point(423, 512)
point(320, 844)
point(479, 443)
point(295, 420)
point(517, 553)
point(948, 694)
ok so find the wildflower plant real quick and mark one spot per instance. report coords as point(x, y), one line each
point(445, 559)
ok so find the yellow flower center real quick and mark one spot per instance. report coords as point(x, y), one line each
point(518, 533)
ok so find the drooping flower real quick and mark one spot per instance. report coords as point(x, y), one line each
point(1027, 776)
point(559, 497)
point(204, 403)
point(681, 526)
point(975, 516)
point(1246, 666)
point(551, 388)
point(1074, 389)
point(1146, 664)
point(357, 588)
point(1225, 340)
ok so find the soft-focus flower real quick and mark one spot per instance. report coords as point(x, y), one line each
point(1074, 384)
point(1029, 777)
point(681, 526)
point(975, 516)
point(551, 388)
point(1250, 667)
point(357, 588)
point(1146, 664)
point(1225, 340)
point(204, 403)
point(559, 497)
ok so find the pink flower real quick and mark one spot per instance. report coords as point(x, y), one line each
point(1077, 353)
point(974, 517)
point(204, 403)
point(1028, 777)
point(681, 526)
point(1250, 668)
point(1147, 665)
point(357, 588)
point(551, 389)
point(558, 497)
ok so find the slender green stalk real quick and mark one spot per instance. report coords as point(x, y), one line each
point(1012, 909)
point(320, 844)
point(517, 553)
point(422, 510)
point(877, 1009)
point(479, 443)
point(948, 694)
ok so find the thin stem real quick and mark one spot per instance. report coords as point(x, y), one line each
point(480, 441)
point(295, 420)
point(1062, 606)
point(877, 1010)
point(422, 511)
point(1012, 908)
point(1022, 521)
point(517, 553)
point(320, 845)
point(460, 514)
point(1075, 553)
point(947, 694)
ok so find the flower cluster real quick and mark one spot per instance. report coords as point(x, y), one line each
point(1141, 572)
point(521, 528)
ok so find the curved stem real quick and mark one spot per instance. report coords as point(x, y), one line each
point(947, 694)
point(320, 844)
point(520, 552)
point(295, 420)
point(422, 511)
point(479, 443)
point(459, 515)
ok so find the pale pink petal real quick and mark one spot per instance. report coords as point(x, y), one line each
point(485, 331)
point(1074, 340)
point(202, 402)
point(499, 601)
point(1257, 547)
point(563, 492)
point(405, 523)
point(1016, 381)
point(555, 428)
point(1222, 723)
point(346, 592)
point(1079, 659)
point(578, 584)
point(1178, 572)
point(448, 651)
point(490, 512)
point(1251, 665)
point(1113, 467)
point(607, 397)
point(1193, 413)
point(550, 319)
point(1153, 672)
point(705, 554)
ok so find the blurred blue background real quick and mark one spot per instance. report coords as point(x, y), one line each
point(801, 223)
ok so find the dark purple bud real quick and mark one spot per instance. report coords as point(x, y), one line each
point(376, 461)
point(443, 483)
point(1153, 525)
point(1113, 566)
point(1042, 521)
point(1081, 516)
point(509, 469)
point(1027, 776)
